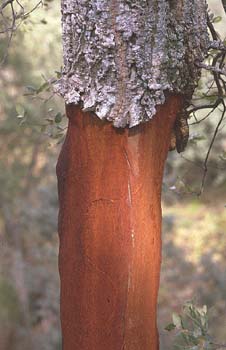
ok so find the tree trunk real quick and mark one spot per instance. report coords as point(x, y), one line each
point(126, 61)
point(110, 230)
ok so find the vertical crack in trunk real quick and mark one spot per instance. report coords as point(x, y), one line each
point(121, 104)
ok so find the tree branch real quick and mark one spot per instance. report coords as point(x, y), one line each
point(205, 167)
point(5, 3)
point(224, 5)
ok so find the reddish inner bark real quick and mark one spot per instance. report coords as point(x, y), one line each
point(110, 230)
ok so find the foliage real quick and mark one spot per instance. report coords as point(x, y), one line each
point(213, 96)
point(192, 330)
point(28, 193)
point(203, 162)
point(194, 261)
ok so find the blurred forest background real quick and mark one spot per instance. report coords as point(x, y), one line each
point(31, 131)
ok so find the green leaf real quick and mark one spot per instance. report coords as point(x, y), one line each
point(44, 21)
point(49, 120)
point(43, 87)
point(20, 111)
point(196, 138)
point(31, 88)
point(217, 19)
point(177, 320)
point(58, 74)
point(170, 327)
point(58, 117)
point(222, 157)
point(204, 309)
point(57, 136)
point(210, 98)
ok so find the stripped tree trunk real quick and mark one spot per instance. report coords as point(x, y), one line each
point(126, 62)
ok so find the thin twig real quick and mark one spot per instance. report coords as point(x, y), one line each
point(205, 167)
point(12, 21)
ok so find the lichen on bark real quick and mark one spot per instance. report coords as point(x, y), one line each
point(122, 57)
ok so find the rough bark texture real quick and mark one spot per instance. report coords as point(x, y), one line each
point(110, 230)
point(121, 57)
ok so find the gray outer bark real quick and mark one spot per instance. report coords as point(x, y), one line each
point(122, 57)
